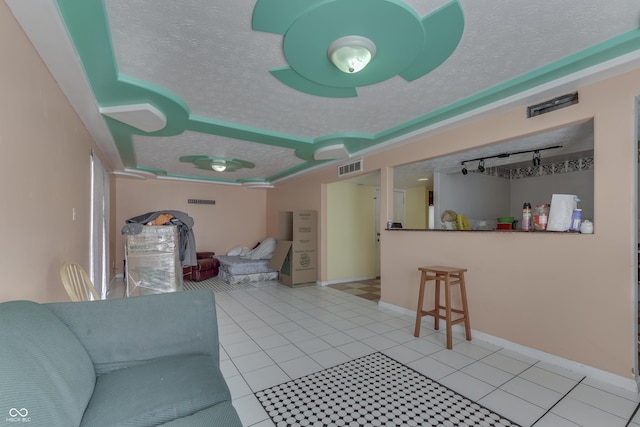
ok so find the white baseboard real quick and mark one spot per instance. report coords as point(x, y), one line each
point(589, 371)
point(351, 279)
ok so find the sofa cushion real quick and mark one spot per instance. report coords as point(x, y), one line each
point(264, 250)
point(46, 374)
point(222, 414)
point(156, 392)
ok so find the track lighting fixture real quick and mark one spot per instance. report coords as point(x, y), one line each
point(536, 158)
point(480, 160)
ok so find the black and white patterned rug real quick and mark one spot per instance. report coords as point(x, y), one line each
point(215, 283)
point(373, 390)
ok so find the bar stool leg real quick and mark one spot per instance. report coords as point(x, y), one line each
point(465, 309)
point(447, 296)
point(436, 317)
point(416, 332)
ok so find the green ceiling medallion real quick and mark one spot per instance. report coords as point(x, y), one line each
point(216, 164)
point(405, 44)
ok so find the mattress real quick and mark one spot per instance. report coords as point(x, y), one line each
point(247, 278)
point(236, 265)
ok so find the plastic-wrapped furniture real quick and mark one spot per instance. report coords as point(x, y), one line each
point(153, 261)
point(142, 361)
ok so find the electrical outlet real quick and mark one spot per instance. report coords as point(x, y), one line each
point(74, 214)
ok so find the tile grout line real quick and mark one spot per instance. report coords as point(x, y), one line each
point(633, 414)
point(559, 400)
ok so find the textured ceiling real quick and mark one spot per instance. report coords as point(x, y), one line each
point(204, 75)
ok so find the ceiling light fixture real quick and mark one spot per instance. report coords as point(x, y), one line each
point(219, 166)
point(536, 158)
point(351, 54)
point(480, 160)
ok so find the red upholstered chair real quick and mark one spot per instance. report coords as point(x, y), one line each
point(207, 267)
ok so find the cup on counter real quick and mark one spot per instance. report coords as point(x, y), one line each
point(586, 227)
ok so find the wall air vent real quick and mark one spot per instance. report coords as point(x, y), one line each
point(201, 202)
point(552, 104)
point(351, 167)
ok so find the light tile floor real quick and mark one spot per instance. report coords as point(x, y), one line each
point(274, 333)
point(271, 334)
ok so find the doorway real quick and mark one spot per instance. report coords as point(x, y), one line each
point(399, 215)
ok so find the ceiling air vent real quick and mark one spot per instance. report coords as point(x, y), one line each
point(552, 104)
point(352, 167)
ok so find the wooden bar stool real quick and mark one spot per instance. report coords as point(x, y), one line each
point(450, 276)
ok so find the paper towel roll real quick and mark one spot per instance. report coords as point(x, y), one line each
point(432, 217)
point(562, 206)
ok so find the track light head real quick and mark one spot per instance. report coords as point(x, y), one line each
point(481, 166)
point(464, 169)
point(536, 158)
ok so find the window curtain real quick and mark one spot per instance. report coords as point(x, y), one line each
point(99, 262)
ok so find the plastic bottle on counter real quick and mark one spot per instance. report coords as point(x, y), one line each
point(526, 217)
point(576, 219)
point(541, 217)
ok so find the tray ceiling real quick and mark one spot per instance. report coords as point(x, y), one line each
point(166, 85)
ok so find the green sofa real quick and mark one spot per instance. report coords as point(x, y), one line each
point(141, 361)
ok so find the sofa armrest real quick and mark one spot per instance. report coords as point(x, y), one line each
point(205, 255)
point(129, 331)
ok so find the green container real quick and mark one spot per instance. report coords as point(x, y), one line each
point(505, 220)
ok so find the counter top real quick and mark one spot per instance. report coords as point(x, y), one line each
point(484, 231)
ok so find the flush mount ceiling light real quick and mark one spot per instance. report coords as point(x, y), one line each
point(351, 54)
point(314, 31)
point(219, 165)
point(216, 164)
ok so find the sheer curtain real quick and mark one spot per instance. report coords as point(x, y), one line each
point(99, 257)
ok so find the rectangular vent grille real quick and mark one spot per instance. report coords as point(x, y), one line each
point(552, 105)
point(201, 202)
point(353, 167)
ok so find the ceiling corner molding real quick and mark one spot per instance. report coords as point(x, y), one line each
point(257, 184)
point(145, 117)
point(42, 23)
point(127, 173)
point(331, 152)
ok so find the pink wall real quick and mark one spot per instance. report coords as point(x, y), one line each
point(237, 218)
point(44, 174)
point(568, 295)
point(303, 193)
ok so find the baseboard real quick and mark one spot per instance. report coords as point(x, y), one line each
point(589, 371)
point(351, 279)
